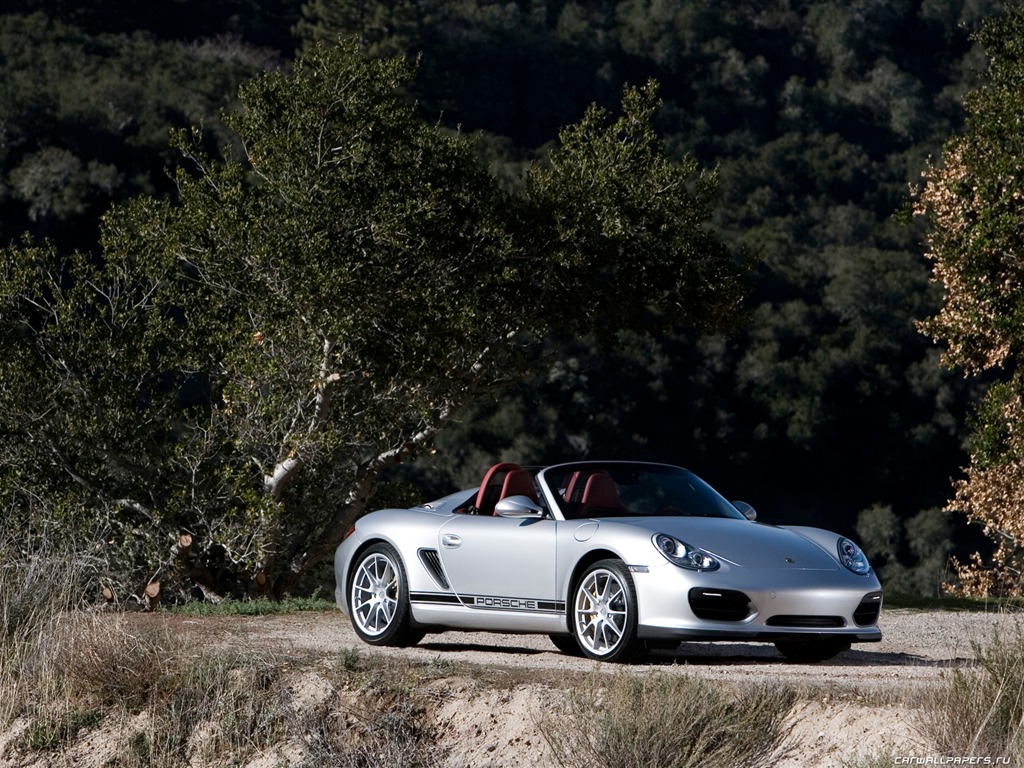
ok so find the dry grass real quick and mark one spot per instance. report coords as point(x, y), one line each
point(386, 734)
point(65, 671)
point(161, 702)
point(980, 708)
point(37, 588)
point(155, 699)
point(661, 721)
point(93, 669)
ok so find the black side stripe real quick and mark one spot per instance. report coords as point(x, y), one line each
point(490, 602)
point(430, 597)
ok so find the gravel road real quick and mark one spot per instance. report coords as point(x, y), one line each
point(916, 647)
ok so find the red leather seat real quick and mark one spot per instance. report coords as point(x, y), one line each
point(519, 482)
point(601, 497)
point(491, 488)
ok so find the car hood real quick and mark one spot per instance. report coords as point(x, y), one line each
point(743, 543)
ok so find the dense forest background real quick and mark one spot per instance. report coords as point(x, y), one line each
point(827, 407)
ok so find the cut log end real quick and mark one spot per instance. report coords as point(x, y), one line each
point(151, 595)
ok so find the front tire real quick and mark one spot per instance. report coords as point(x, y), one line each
point(604, 612)
point(378, 599)
point(566, 644)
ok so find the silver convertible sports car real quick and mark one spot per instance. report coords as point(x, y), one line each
point(608, 559)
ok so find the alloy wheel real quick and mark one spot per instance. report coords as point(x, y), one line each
point(601, 612)
point(375, 594)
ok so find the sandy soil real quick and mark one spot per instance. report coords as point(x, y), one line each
point(859, 704)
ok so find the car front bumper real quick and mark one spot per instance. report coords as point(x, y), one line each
point(757, 604)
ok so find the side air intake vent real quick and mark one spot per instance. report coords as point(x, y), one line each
point(866, 614)
point(432, 562)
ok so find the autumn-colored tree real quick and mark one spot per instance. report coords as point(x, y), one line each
point(975, 202)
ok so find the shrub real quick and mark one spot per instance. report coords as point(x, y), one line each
point(980, 708)
point(39, 584)
point(665, 721)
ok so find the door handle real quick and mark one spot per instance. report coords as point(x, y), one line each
point(451, 541)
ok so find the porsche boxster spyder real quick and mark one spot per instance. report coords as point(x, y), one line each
point(608, 559)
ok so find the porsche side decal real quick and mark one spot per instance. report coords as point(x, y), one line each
point(490, 602)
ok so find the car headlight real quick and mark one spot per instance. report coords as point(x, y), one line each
point(851, 556)
point(682, 554)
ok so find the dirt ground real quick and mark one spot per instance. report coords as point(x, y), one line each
point(858, 705)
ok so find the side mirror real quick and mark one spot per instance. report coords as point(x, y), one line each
point(746, 510)
point(518, 506)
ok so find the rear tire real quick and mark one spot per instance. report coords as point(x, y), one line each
point(604, 613)
point(810, 651)
point(378, 599)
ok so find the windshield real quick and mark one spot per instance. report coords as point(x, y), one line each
point(633, 490)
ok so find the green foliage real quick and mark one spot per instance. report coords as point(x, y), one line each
point(349, 659)
point(247, 359)
point(382, 28)
point(58, 730)
point(816, 116)
point(910, 555)
point(86, 117)
point(259, 607)
point(993, 439)
point(264, 24)
point(974, 204)
point(629, 240)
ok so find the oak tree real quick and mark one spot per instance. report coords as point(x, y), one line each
point(237, 366)
point(975, 202)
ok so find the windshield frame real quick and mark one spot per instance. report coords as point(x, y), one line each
point(684, 493)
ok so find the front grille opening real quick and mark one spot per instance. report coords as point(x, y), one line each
point(432, 563)
point(867, 612)
point(806, 622)
point(719, 604)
